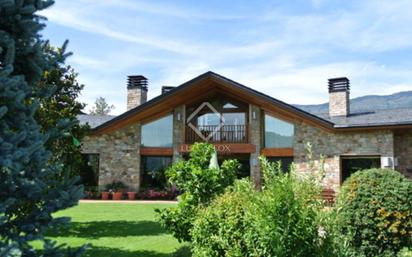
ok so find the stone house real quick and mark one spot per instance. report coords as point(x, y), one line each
point(136, 146)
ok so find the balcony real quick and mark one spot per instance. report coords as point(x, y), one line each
point(214, 134)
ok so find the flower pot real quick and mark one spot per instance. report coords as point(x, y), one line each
point(117, 196)
point(105, 195)
point(131, 195)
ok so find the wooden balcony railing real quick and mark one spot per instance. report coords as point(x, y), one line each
point(224, 134)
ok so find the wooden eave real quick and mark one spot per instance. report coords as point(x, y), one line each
point(373, 127)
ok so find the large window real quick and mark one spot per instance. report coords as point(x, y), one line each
point(153, 175)
point(218, 120)
point(278, 133)
point(352, 164)
point(158, 133)
point(231, 118)
point(234, 118)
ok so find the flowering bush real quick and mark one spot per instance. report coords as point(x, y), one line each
point(156, 194)
point(374, 212)
point(91, 192)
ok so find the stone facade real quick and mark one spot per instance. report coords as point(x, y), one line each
point(403, 152)
point(120, 160)
point(179, 119)
point(339, 103)
point(255, 138)
point(119, 155)
point(335, 145)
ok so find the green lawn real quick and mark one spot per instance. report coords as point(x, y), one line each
point(118, 230)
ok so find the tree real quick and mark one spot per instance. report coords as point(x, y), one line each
point(101, 107)
point(62, 104)
point(31, 187)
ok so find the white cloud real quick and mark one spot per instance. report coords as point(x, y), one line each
point(79, 21)
point(287, 55)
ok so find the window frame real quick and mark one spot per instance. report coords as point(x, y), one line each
point(363, 156)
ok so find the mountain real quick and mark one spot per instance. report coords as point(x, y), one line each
point(368, 103)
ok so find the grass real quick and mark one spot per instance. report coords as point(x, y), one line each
point(118, 230)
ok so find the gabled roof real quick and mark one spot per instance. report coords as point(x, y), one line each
point(209, 81)
point(93, 120)
point(205, 82)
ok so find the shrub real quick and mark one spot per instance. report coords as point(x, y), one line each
point(285, 216)
point(199, 184)
point(281, 220)
point(374, 212)
point(220, 228)
point(405, 252)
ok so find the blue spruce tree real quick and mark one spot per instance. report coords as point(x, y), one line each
point(32, 187)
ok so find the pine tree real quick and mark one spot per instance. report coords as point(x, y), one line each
point(31, 187)
point(101, 107)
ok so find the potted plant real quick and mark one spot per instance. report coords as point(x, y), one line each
point(90, 192)
point(117, 195)
point(105, 195)
point(131, 195)
point(118, 189)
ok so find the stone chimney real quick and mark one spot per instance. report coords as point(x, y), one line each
point(339, 97)
point(136, 91)
point(166, 89)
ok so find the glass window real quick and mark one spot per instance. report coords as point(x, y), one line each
point(278, 133)
point(229, 106)
point(208, 119)
point(154, 171)
point(158, 133)
point(234, 118)
point(352, 164)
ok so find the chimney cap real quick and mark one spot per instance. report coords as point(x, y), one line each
point(338, 84)
point(137, 81)
point(166, 89)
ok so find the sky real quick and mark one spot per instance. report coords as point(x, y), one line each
point(287, 49)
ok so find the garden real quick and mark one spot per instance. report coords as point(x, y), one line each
point(219, 215)
point(118, 230)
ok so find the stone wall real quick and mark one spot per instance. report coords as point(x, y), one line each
point(334, 145)
point(255, 137)
point(119, 155)
point(403, 151)
point(178, 131)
